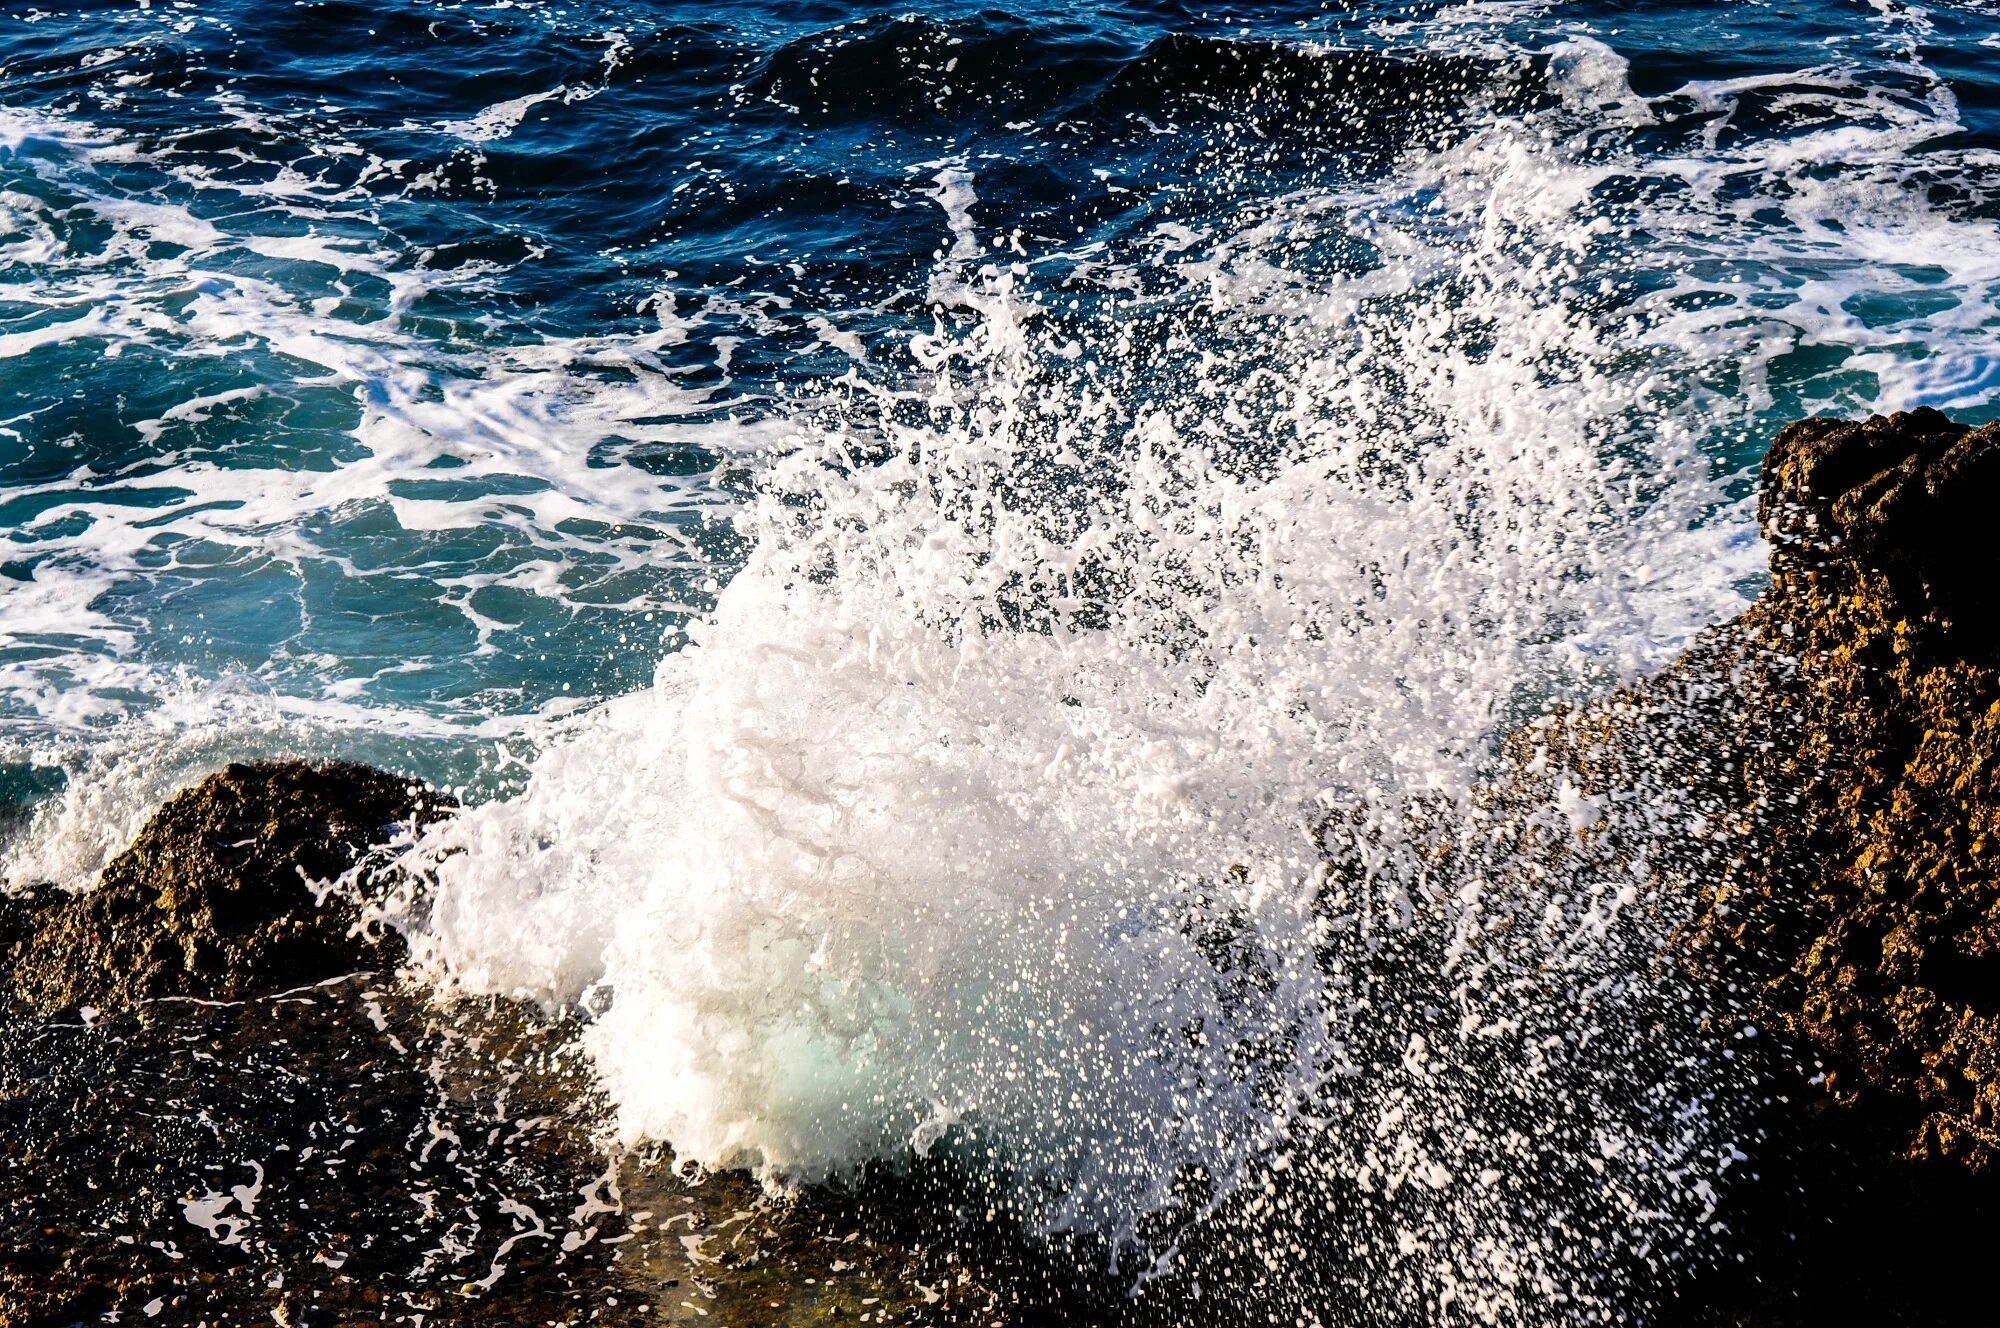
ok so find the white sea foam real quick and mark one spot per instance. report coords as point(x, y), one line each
point(927, 825)
point(984, 800)
point(113, 769)
point(500, 119)
point(533, 439)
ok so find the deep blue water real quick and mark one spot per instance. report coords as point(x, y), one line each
point(381, 368)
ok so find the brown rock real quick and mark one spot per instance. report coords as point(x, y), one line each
point(1874, 907)
point(1839, 743)
point(212, 899)
point(316, 1141)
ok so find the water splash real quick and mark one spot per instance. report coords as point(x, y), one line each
point(993, 810)
point(989, 804)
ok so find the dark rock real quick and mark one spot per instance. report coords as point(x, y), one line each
point(218, 1105)
point(340, 1154)
point(1872, 911)
point(213, 898)
point(21, 912)
point(1897, 507)
point(1840, 743)
point(1813, 790)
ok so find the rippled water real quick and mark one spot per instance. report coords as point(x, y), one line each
point(1083, 446)
point(388, 364)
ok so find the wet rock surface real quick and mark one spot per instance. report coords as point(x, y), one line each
point(1868, 918)
point(293, 1157)
point(1826, 765)
point(1876, 901)
point(219, 1105)
point(213, 897)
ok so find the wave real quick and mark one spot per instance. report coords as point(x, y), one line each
point(1167, 517)
point(982, 813)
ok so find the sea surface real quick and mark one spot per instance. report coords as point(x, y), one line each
point(870, 504)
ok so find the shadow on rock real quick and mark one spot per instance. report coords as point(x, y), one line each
point(1838, 750)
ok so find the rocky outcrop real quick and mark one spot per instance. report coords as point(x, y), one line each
point(1827, 770)
point(218, 1103)
point(336, 1155)
point(1831, 760)
point(215, 897)
point(1873, 906)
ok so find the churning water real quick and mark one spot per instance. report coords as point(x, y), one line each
point(910, 528)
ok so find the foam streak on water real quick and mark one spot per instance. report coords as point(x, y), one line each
point(444, 441)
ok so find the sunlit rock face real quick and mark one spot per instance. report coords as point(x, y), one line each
point(216, 898)
point(1876, 900)
point(1836, 746)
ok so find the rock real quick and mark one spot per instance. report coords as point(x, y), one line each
point(354, 1153)
point(1839, 744)
point(338, 1154)
point(1810, 791)
point(1895, 506)
point(218, 1104)
point(1872, 912)
point(212, 898)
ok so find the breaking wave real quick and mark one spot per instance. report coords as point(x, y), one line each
point(983, 805)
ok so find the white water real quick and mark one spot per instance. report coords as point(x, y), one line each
point(1013, 703)
point(922, 828)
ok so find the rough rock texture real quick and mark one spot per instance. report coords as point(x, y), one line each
point(212, 898)
point(216, 1106)
point(1825, 769)
point(351, 1154)
point(334, 1155)
point(1882, 581)
point(1832, 759)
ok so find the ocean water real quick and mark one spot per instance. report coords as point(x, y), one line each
point(905, 524)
